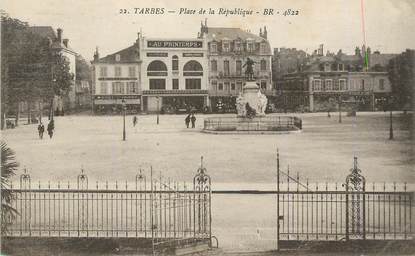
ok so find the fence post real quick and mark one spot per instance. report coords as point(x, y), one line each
point(278, 200)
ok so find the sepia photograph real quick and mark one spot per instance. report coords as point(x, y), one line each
point(275, 127)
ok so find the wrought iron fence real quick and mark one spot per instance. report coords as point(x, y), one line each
point(167, 212)
point(349, 211)
point(267, 123)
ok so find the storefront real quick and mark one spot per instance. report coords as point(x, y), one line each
point(174, 75)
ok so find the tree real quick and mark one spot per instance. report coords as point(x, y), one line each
point(402, 77)
point(8, 168)
point(62, 78)
point(24, 68)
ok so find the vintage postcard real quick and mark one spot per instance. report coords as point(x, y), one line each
point(135, 127)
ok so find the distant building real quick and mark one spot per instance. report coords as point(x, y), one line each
point(228, 50)
point(116, 79)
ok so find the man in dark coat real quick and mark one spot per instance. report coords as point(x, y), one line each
point(41, 130)
point(51, 127)
point(193, 118)
point(187, 120)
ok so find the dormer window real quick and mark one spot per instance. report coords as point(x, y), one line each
point(262, 47)
point(250, 46)
point(213, 47)
point(117, 57)
point(226, 46)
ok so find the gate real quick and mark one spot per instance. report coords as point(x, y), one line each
point(332, 212)
point(160, 213)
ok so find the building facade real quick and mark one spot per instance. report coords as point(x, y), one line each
point(116, 81)
point(174, 75)
point(228, 50)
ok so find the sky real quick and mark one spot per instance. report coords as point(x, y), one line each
point(389, 24)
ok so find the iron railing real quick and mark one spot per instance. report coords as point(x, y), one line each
point(166, 212)
point(267, 123)
point(350, 211)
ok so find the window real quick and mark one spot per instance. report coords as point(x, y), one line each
point(103, 71)
point(213, 47)
point(157, 68)
point(341, 67)
point(362, 85)
point(336, 85)
point(233, 86)
point(239, 85)
point(382, 84)
point(226, 46)
point(263, 85)
point(175, 84)
point(117, 57)
point(192, 68)
point(262, 47)
point(238, 46)
point(117, 88)
point(117, 71)
point(193, 84)
point(317, 85)
point(227, 87)
point(250, 46)
point(214, 84)
point(226, 67)
point(214, 65)
point(343, 85)
point(157, 84)
point(103, 88)
point(131, 71)
point(238, 67)
point(328, 85)
point(220, 87)
point(175, 63)
point(263, 65)
point(132, 87)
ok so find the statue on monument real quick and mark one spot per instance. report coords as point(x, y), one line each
point(249, 71)
point(240, 105)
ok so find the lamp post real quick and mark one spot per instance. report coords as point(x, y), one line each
point(340, 108)
point(158, 108)
point(390, 103)
point(123, 115)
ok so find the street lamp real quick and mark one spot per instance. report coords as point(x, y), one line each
point(123, 115)
point(390, 104)
point(158, 108)
point(340, 108)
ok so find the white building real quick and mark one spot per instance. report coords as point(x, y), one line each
point(174, 74)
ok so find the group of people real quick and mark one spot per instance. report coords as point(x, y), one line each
point(41, 129)
point(190, 118)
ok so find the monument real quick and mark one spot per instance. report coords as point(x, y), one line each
point(251, 105)
point(251, 102)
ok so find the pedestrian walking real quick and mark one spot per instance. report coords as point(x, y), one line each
point(135, 120)
point(51, 128)
point(193, 118)
point(41, 130)
point(187, 120)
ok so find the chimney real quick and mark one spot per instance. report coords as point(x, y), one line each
point(321, 50)
point(65, 42)
point(96, 54)
point(59, 30)
point(265, 35)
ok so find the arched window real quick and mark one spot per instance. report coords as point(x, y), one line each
point(192, 68)
point(157, 68)
point(175, 63)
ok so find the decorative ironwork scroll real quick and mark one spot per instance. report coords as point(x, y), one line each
point(355, 203)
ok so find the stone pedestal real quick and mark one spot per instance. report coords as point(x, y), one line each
point(252, 95)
